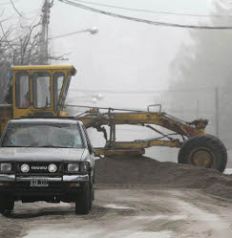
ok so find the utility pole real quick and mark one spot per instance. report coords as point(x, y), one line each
point(44, 33)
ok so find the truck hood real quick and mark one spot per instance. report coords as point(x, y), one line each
point(42, 154)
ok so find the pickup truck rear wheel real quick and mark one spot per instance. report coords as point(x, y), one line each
point(6, 205)
point(84, 200)
point(204, 151)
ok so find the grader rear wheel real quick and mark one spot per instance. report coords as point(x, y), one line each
point(205, 151)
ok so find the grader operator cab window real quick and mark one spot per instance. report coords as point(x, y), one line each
point(58, 84)
point(22, 91)
point(41, 90)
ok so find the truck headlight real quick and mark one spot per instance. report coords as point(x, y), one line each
point(52, 168)
point(73, 167)
point(5, 167)
point(25, 168)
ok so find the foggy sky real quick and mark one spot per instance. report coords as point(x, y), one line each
point(124, 55)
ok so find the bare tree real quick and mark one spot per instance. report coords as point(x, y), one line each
point(27, 46)
point(18, 46)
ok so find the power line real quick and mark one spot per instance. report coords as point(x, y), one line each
point(150, 11)
point(156, 23)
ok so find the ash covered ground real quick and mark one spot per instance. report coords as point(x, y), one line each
point(144, 171)
point(135, 197)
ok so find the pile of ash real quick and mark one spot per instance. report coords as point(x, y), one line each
point(145, 171)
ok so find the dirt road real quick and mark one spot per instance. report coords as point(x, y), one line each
point(151, 199)
point(131, 212)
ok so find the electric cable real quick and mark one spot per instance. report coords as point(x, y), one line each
point(150, 11)
point(150, 22)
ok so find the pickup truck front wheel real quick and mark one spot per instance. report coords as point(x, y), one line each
point(83, 202)
point(6, 205)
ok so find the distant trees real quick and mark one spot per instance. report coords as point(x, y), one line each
point(19, 46)
point(201, 68)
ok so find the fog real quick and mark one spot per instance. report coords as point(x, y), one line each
point(131, 65)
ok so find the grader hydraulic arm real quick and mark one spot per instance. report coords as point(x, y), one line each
point(196, 147)
point(95, 118)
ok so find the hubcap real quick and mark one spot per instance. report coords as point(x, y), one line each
point(202, 157)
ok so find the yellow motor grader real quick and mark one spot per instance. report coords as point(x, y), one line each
point(40, 91)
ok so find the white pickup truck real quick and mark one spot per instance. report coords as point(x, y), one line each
point(46, 160)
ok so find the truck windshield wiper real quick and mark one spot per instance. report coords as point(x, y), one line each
point(53, 146)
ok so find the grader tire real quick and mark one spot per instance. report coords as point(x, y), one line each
point(204, 151)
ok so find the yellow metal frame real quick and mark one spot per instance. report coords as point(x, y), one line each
point(97, 119)
point(67, 70)
point(11, 111)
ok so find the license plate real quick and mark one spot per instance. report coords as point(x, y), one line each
point(39, 183)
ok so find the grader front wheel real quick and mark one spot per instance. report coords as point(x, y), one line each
point(204, 151)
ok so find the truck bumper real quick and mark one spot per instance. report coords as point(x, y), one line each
point(64, 188)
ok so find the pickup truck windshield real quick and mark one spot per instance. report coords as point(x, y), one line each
point(50, 135)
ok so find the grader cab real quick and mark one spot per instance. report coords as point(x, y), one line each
point(40, 91)
point(37, 91)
